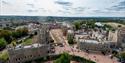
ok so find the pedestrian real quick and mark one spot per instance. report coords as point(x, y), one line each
point(94, 56)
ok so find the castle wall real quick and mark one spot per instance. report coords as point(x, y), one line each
point(22, 55)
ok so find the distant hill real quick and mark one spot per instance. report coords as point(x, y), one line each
point(55, 18)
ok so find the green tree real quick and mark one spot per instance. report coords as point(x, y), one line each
point(6, 34)
point(64, 58)
point(2, 42)
point(21, 32)
point(70, 38)
point(7, 28)
point(90, 24)
point(122, 56)
point(77, 25)
point(25, 31)
point(108, 27)
point(15, 35)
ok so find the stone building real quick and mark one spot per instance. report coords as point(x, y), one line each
point(20, 55)
point(93, 46)
point(95, 41)
point(121, 37)
point(25, 53)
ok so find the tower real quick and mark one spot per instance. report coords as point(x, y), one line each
point(43, 34)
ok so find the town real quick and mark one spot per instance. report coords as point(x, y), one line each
point(62, 41)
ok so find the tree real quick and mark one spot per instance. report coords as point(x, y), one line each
point(6, 34)
point(7, 28)
point(64, 58)
point(122, 56)
point(70, 39)
point(25, 31)
point(2, 42)
point(90, 24)
point(15, 35)
point(108, 27)
point(77, 25)
point(21, 32)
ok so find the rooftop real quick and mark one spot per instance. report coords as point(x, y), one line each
point(26, 47)
point(89, 41)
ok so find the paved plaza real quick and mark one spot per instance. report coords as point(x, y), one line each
point(98, 58)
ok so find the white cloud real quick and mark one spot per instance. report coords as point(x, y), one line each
point(60, 7)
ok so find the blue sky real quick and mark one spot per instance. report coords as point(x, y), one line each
point(84, 8)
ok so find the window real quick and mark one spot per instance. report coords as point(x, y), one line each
point(25, 56)
point(30, 55)
point(16, 59)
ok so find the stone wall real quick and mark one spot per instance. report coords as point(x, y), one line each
point(22, 55)
point(94, 47)
point(121, 37)
point(25, 54)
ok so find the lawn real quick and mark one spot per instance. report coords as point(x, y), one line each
point(27, 41)
point(115, 25)
point(4, 55)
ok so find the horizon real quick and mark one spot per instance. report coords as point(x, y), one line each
point(63, 16)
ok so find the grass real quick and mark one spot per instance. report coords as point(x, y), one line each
point(4, 55)
point(27, 41)
point(115, 25)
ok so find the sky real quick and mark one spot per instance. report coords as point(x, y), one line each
point(80, 8)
